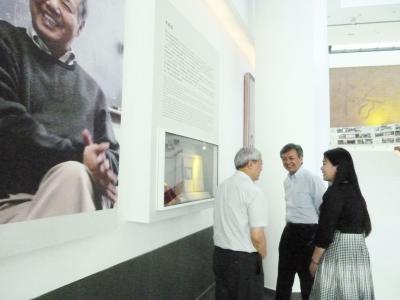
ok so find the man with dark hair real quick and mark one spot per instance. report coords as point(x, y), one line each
point(58, 153)
point(303, 196)
point(239, 239)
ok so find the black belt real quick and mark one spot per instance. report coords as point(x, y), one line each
point(300, 225)
point(239, 254)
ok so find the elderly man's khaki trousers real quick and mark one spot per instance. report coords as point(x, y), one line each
point(66, 188)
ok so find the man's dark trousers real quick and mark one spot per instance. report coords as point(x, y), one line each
point(238, 275)
point(295, 251)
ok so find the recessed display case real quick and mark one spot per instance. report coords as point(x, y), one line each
point(187, 171)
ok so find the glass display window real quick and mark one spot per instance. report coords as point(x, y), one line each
point(190, 170)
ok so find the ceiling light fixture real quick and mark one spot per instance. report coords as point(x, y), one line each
point(367, 47)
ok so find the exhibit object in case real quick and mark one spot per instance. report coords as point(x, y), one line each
point(190, 170)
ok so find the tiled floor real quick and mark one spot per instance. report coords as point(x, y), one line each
point(268, 295)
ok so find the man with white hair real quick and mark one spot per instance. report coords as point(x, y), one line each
point(239, 239)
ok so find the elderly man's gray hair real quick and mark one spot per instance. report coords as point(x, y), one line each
point(245, 155)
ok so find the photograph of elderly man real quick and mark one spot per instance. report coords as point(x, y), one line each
point(58, 151)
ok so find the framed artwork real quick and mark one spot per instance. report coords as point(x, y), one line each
point(248, 111)
point(365, 105)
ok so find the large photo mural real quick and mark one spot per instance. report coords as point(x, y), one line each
point(60, 106)
point(365, 105)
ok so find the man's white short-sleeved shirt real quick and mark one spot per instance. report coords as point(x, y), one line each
point(239, 206)
point(303, 196)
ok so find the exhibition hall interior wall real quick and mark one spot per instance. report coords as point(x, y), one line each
point(50, 253)
point(292, 101)
point(283, 76)
point(379, 176)
point(42, 255)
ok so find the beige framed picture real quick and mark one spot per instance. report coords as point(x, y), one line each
point(248, 110)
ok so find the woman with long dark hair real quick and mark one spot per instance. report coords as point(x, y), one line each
point(340, 262)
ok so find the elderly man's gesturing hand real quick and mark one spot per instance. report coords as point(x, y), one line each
point(95, 159)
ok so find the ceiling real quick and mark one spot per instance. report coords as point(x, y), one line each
point(363, 24)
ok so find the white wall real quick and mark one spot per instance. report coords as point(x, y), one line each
point(291, 100)
point(362, 59)
point(245, 9)
point(379, 176)
point(352, 3)
point(37, 257)
point(378, 171)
